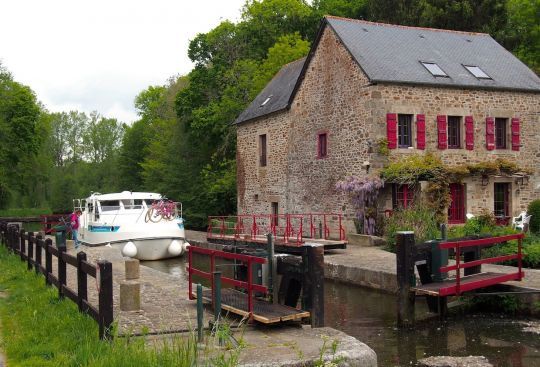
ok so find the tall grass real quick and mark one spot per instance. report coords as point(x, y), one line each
point(38, 329)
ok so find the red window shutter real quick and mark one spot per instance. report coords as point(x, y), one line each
point(469, 132)
point(515, 133)
point(420, 131)
point(490, 133)
point(391, 130)
point(441, 132)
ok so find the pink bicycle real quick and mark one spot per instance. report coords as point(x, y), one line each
point(162, 209)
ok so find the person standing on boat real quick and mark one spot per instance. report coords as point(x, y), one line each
point(75, 227)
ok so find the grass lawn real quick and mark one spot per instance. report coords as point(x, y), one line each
point(40, 330)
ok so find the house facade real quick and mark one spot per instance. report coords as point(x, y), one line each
point(457, 95)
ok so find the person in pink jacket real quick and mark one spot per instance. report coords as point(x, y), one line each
point(75, 227)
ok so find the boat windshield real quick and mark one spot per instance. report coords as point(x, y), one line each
point(109, 205)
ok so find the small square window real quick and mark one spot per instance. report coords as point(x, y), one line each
point(477, 72)
point(322, 145)
point(434, 69)
point(266, 100)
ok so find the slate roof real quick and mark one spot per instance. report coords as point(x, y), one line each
point(279, 90)
point(393, 54)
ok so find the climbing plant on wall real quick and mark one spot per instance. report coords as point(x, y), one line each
point(364, 193)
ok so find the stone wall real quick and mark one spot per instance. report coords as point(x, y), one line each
point(337, 98)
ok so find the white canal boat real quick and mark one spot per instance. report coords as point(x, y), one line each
point(143, 225)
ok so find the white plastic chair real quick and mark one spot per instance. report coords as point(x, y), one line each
point(519, 219)
point(524, 223)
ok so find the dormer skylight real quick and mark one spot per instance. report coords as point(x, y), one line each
point(434, 69)
point(477, 72)
point(266, 100)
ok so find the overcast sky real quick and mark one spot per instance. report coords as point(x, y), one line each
point(97, 54)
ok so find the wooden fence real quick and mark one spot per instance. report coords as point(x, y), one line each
point(30, 248)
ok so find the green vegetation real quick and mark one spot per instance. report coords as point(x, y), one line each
point(184, 143)
point(40, 330)
point(24, 212)
point(418, 218)
point(534, 210)
point(484, 224)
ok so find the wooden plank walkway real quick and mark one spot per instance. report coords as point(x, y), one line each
point(264, 312)
point(467, 283)
point(280, 244)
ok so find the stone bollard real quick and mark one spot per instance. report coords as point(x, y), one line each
point(130, 288)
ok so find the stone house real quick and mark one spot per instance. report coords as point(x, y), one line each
point(457, 95)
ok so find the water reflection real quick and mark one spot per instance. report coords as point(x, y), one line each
point(370, 316)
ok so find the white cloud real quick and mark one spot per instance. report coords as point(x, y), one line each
point(98, 55)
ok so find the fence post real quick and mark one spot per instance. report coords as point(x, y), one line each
point(61, 270)
point(405, 278)
point(313, 282)
point(30, 254)
point(18, 240)
point(48, 261)
point(82, 283)
point(217, 295)
point(39, 241)
point(105, 299)
point(199, 313)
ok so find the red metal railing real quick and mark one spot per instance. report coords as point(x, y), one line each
point(49, 221)
point(213, 254)
point(458, 246)
point(292, 229)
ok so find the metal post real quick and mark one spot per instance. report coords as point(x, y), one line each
point(444, 232)
point(199, 313)
point(217, 294)
point(271, 287)
point(405, 277)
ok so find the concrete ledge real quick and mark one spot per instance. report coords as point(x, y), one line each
point(361, 276)
point(301, 346)
point(364, 240)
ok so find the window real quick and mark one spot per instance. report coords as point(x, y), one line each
point(477, 72)
point(275, 214)
point(434, 69)
point(405, 131)
point(402, 196)
point(266, 100)
point(502, 199)
point(322, 145)
point(454, 132)
point(262, 150)
point(500, 133)
point(456, 211)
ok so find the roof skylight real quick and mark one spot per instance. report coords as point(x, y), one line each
point(477, 72)
point(434, 69)
point(266, 100)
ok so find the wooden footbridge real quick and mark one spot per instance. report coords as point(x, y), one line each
point(290, 231)
point(431, 261)
point(245, 298)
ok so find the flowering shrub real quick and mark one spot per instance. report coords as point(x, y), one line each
point(363, 193)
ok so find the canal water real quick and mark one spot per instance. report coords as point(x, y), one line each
point(370, 316)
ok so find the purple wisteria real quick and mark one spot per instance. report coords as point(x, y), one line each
point(363, 193)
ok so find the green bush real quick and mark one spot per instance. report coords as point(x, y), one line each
point(530, 251)
point(418, 218)
point(534, 210)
